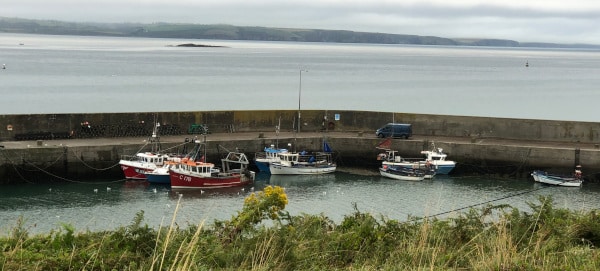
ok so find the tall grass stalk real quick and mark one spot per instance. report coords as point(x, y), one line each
point(187, 249)
point(167, 239)
point(265, 254)
point(493, 249)
point(190, 251)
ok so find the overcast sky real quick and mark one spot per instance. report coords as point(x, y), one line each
point(561, 21)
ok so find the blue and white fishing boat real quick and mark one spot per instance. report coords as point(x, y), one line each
point(437, 158)
point(270, 154)
point(160, 175)
point(393, 161)
point(262, 160)
point(304, 163)
point(390, 159)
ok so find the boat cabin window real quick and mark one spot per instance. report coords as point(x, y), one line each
point(202, 169)
point(289, 157)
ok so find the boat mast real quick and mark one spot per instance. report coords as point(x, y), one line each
point(299, 98)
point(299, 114)
point(155, 139)
point(277, 133)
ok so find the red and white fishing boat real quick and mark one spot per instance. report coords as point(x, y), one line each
point(199, 174)
point(136, 166)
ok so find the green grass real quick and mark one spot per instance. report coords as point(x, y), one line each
point(490, 238)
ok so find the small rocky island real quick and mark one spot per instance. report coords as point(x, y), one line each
point(195, 45)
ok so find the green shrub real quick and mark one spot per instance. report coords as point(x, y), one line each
point(491, 238)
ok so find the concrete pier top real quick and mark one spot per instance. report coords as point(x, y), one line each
point(285, 137)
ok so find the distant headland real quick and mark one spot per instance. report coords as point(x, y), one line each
point(230, 32)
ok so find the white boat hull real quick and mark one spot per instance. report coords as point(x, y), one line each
point(430, 172)
point(542, 177)
point(277, 169)
point(402, 177)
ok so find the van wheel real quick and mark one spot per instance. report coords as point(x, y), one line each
point(380, 135)
point(405, 136)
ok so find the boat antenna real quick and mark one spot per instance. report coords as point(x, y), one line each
point(299, 98)
point(155, 136)
point(277, 128)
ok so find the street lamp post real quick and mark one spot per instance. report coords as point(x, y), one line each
point(299, 98)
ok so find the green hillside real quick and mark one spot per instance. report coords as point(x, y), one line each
point(230, 32)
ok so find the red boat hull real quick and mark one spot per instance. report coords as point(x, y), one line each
point(186, 181)
point(133, 173)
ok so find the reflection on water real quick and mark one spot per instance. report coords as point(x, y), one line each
point(291, 181)
point(107, 204)
point(215, 192)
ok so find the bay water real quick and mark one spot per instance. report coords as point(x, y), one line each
point(108, 204)
point(74, 74)
point(67, 74)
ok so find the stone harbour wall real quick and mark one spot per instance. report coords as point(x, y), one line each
point(50, 126)
point(57, 147)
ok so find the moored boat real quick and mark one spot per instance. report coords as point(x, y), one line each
point(402, 173)
point(391, 159)
point(160, 175)
point(437, 158)
point(197, 174)
point(574, 180)
point(262, 160)
point(270, 154)
point(304, 163)
point(135, 167)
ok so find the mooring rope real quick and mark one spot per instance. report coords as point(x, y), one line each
point(176, 146)
point(69, 180)
point(22, 158)
point(482, 203)
point(89, 166)
point(18, 169)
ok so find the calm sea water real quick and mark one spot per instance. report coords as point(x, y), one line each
point(46, 207)
point(62, 74)
point(67, 74)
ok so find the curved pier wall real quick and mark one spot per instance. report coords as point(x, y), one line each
point(80, 160)
point(48, 126)
point(472, 141)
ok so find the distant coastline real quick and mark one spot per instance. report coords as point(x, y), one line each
point(230, 32)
